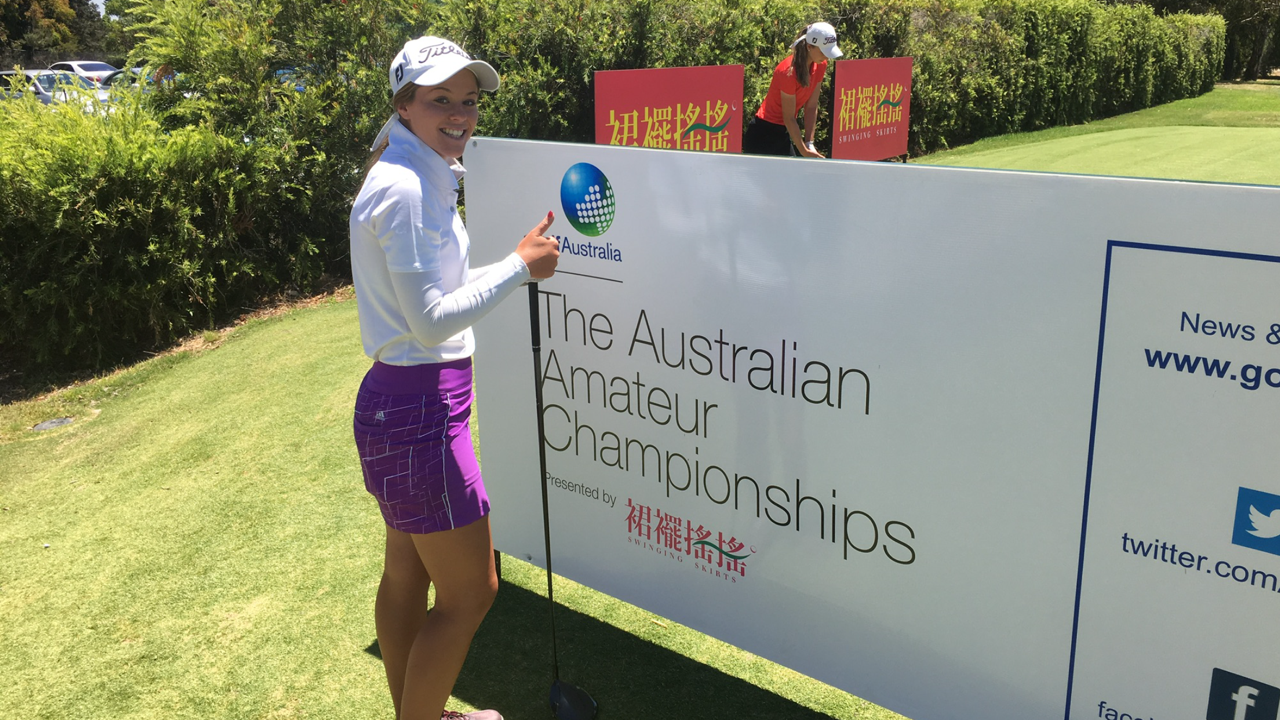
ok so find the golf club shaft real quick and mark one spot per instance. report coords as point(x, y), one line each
point(535, 329)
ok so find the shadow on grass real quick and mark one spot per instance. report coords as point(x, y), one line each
point(509, 669)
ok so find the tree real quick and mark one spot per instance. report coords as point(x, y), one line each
point(29, 26)
point(1251, 29)
point(49, 28)
point(118, 21)
point(87, 27)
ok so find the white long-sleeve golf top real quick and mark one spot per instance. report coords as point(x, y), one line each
point(416, 295)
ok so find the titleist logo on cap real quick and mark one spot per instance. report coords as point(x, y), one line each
point(445, 48)
point(426, 53)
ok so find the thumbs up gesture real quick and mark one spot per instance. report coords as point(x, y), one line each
point(539, 252)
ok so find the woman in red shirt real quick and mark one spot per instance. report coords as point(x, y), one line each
point(774, 129)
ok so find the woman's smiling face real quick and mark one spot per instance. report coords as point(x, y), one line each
point(444, 116)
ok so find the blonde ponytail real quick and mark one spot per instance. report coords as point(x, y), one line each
point(404, 97)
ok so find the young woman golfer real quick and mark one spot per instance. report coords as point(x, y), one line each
point(417, 299)
point(774, 129)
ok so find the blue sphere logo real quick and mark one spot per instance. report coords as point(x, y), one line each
point(587, 198)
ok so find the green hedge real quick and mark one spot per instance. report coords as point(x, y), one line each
point(982, 67)
point(117, 236)
point(547, 51)
point(125, 230)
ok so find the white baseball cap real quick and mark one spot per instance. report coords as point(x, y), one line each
point(823, 36)
point(429, 61)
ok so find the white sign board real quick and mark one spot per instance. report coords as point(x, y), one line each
point(968, 444)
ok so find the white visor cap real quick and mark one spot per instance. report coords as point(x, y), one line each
point(428, 61)
point(823, 36)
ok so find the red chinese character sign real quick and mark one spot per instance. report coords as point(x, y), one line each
point(690, 108)
point(873, 100)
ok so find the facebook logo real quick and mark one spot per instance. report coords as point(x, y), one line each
point(1236, 697)
point(1257, 523)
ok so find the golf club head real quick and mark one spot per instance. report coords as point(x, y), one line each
point(571, 703)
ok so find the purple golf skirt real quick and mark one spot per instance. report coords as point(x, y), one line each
point(414, 439)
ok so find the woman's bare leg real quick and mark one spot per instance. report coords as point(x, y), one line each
point(401, 608)
point(460, 563)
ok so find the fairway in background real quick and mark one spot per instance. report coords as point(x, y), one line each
point(1211, 154)
point(1229, 135)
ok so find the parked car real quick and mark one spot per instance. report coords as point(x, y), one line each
point(41, 83)
point(289, 76)
point(8, 91)
point(122, 78)
point(57, 86)
point(49, 86)
point(90, 70)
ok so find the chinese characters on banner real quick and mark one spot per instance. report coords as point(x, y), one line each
point(667, 531)
point(873, 101)
point(692, 108)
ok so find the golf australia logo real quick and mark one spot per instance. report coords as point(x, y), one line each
point(1257, 523)
point(587, 198)
point(1236, 697)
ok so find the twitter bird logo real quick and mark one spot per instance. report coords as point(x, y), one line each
point(1257, 523)
point(1264, 526)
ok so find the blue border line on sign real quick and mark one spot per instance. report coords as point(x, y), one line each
point(1093, 424)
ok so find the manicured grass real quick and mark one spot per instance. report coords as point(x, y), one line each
point(1216, 154)
point(211, 553)
point(1231, 134)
